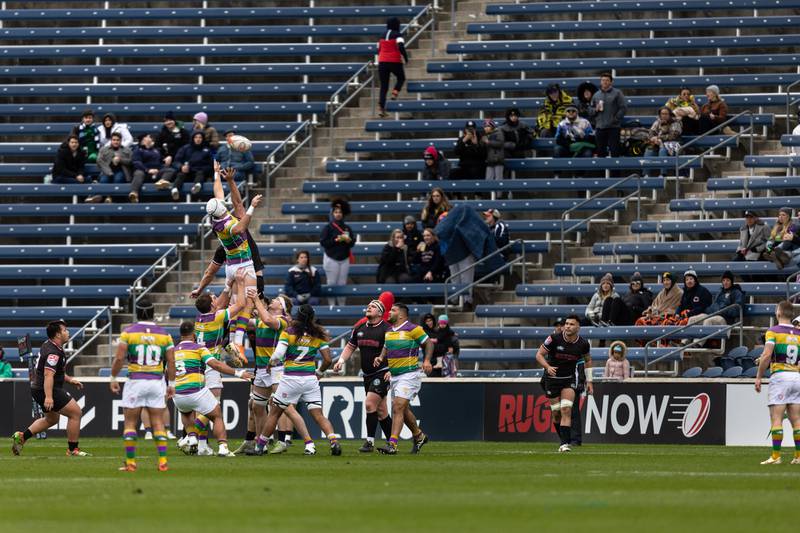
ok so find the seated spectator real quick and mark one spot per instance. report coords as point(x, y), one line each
point(445, 345)
point(664, 304)
point(193, 161)
point(337, 239)
point(499, 229)
point(695, 299)
point(781, 243)
point(517, 133)
point(574, 136)
point(552, 111)
point(242, 162)
point(495, 149)
point(172, 137)
point(200, 123)
point(91, 136)
point(114, 162)
point(147, 165)
point(795, 150)
point(412, 233)
point(303, 281)
point(685, 109)
point(714, 112)
point(435, 207)
point(583, 95)
point(665, 136)
point(110, 125)
point(437, 167)
point(70, 163)
point(730, 293)
point(429, 265)
point(625, 310)
point(617, 365)
point(753, 238)
point(5, 367)
point(471, 154)
point(395, 261)
point(605, 290)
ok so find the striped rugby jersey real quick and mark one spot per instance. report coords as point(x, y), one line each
point(266, 341)
point(190, 362)
point(210, 330)
point(300, 359)
point(786, 344)
point(402, 347)
point(236, 246)
point(147, 346)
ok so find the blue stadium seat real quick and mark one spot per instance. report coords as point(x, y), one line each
point(702, 269)
point(57, 292)
point(790, 140)
point(323, 312)
point(178, 108)
point(729, 225)
point(623, 6)
point(713, 372)
point(63, 128)
point(555, 311)
point(384, 228)
point(131, 210)
point(159, 89)
point(71, 271)
point(732, 372)
point(260, 148)
point(366, 290)
point(750, 372)
point(731, 204)
point(360, 249)
point(51, 190)
point(771, 161)
point(97, 230)
point(755, 352)
point(613, 332)
point(739, 351)
point(753, 183)
point(513, 355)
point(665, 248)
point(49, 313)
point(586, 290)
point(85, 251)
point(694, 372)
point(38, 335)
point(188, 69)
point(279, 271)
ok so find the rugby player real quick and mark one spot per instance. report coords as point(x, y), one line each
point(401, 349)
point(47, 389)
point(191, 395)
point(369, 337)
point(781, 351)
point(559, 356)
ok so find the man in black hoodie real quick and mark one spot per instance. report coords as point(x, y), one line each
point(471, 154)
point(695, 299)
point(517, 132)
point(730, 293)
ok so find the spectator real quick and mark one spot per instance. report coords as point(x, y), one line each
point(625, 310)
point(110, 125)
point(664, 304)
point(242, 162)
point(605, 290)
point(200, 123)
point(429, 265)
point(753, 237)
point(147, 165)
point(91, 136)
point(517, 133)
point(575, 136)
point(584, 96)
point(782, 239)
point(172, 137)
point(471, 154)
point(5, 367)
point(437, 167)
point(617, 365)
point(730, 293)
point(395, 262)
point(685, 109)
point(445, 346)
point(496, 147)
point(114, 162)
point(436, 206)
point(795, 150)
point(499, 229)
point(391, 54)
point(412, 233)
point(193, 161)
point(552, 111)
point(303, 281)
point(70, 163)
point(695, 299)
point(665, 136)
point(337, 239)
point(714, 112)
point(608, 108)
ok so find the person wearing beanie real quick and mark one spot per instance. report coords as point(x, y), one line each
point(783, 239)
point(172, 137)
point(574, 135)
point(471, 154)
point(498, 228)
point(664, 304)
point(496, 147)
point(392, 55)
point(605, 290)
point(437, 167)
point(552, 110)
point(753, 237)
point(193, 161)
point(714, 112)
point(200, 123)
point(696, 298)
point(517, 134)
point(412, 232)
point(625, 310)
point(730, 293)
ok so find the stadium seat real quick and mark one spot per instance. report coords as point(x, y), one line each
point(86, 251)
point(665, 248)
point(98, 230)
point(323, 312)
point(750, 372)
point(58, 292)
point(753, 183)
point(728, 225)
point(51, 190)
point(702, 269)
point(732, 372)
point(48, 271)
point(384, 228)
point(771, 203)
point(49, 313)
point(586, 290)
point(713, 372)
point(104, 210)
point(624, 6)
point(63, 128)
point(771, 161)
point(694, 372)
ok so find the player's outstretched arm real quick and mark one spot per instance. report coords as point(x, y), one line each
point(116, 366)
point(241, 301)
point(241, 226)
point(223, 368)
point(219, 192)
point(236, 197)
point(208, 277)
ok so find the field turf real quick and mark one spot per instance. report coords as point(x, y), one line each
point(464, 486)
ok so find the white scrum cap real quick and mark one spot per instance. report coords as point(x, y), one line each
point(216, 208)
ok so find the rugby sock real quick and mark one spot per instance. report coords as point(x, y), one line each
point(129, 437)
point(26, 435)
point(309, 442)
point(372, 425)
point(201, 425)
point(796, 443)
point(72, 446)
point(281, 435)
point(251, 435)
point(241, 327)
point(386, 426)
point(393, 440)
point(161, 445)
point(333, 438)
point(261, 442)
point(287, 437)
point(565, 434)
point(777, 439)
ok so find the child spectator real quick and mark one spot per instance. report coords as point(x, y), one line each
point(435, 207)
point(605, 290)
point(391, 54)
point(211, 135)
point(664, 304)
point(608, 108)
point(552, 111)
point(498, 228)
point(617, 365)
point(412, 233)
point(70, 163)
point(242, 162)
point(471, 154)
point(110, 126)
point(91, 136)
point(303, 281)
point(337, 239)
point(395, 261)
point(429, 265)
point(665, 136)
point(172, 137)
point(193, 161)
point(685, 109)
point(496, 147)
point(437, 167)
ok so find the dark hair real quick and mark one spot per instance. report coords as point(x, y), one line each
point(430, 207)
point(203, 303)
point(342, 204)
point(304, 324)
point(70, 137)
point(607, 74)
point(574, 317)
point(145, 310)
point(298, 253)
point(54, 327)
point(2, 353)
point(393, 24)
point(402, 306)
point(87, 113)
point(785, 309)
point(187, 328)
point(116, 134)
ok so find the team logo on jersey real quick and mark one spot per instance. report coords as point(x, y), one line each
point(560, 348)
point(360, 334)
point(52, 359)
point(548, 340)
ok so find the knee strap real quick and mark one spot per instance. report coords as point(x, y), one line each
point(566, 404)
point(257, 399)
point(556, 406)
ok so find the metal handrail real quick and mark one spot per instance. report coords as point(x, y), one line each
point(104, 311)
point(271, 168)
point(789, 103)
point(739, 324)
point(789, 294)
point(519, 259)
point(136, 295)
point(637, 193)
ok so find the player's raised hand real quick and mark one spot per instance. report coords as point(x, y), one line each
point(216, 167)
point(256, 201)
point(195, 293)
point(228, 173)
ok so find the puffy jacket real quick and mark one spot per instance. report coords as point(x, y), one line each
point(595, 308)
point(734, 295)
point(552, 112)
point(106, 155)
point(637, 302)
point(302, 281)
point(520, 134)
point(145, 159)
point(336, 250)
point(441, 166)
point(496, 147)
point(695, 300)
point(431, 260)
point(170, 141)
point(471, 158)
point(198, 157)
point(116, 127)
point(211, 136)
point(614, 108)
point(577, 131)
point(241, 161)
point(68, 163)
point(582, 103)
point(718, 108)
point(671, 131)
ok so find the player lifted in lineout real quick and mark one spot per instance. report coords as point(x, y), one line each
point(146, 346)
point(781, 354)
point(559, 355)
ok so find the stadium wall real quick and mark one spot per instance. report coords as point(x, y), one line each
point(654, 412)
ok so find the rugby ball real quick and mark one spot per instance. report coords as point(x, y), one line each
point(240, 143)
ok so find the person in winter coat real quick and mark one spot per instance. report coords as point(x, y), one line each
point(496, 147)
point(436, 206)
point(605, 290)
point(429, 265)
point(211, 135)
point(412, 233)
point(583, 100)
point(617, 365)
point(574, 135)
point(518, 133)
point(437, 167)
point(337, 239)
point(625, 310)
point(147, 165)
point(70, 164)
point(445, 344)
point(91, 136)
point(685, 108)
point(242, 162)
point(664, 304)
point(471, 154)
point(552, 111)
point(608, 109)
point(303, 281)
point(172, 137)
point(110, 125)
point(665, 136)
point(695, 299)
point(730, 293)
point(193, 161)
point(391, 56)
point(714, 112)
point(395, 262)
point(753, 237)
point(782, 240)
point(498, 228)
point(114, 162)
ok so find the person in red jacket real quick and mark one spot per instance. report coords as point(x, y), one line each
point(391, 54)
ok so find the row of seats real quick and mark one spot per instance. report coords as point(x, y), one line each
point(623, 6)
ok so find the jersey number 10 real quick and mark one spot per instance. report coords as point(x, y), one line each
point(148, 355)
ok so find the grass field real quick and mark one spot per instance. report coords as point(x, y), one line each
point(465, 486)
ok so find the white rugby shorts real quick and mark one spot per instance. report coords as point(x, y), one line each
point(230, 271)
point(202, 401)
point(213, 378)
point(144, 393)
point(294, 389)
point(784, 388)
point(263, 379)
point(406, 385)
